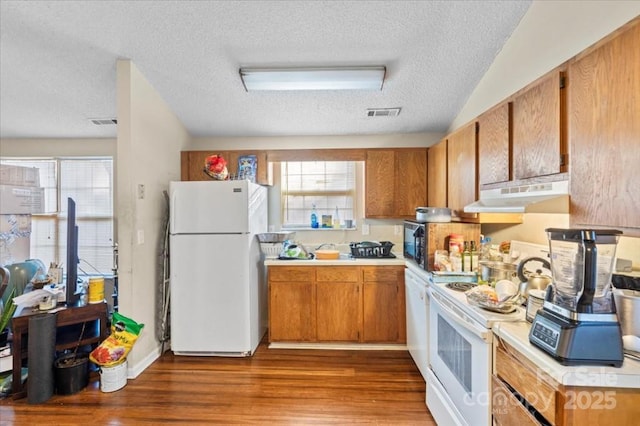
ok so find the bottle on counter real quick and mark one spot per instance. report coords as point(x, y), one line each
point(336, 219)
point(466, 258)
point(314, 217)
point(474, 256)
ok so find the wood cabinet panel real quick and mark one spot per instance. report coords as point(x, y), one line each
point(461, 170)
point(192, 164)
point(291, 273)
point(507, 409)
point(410, 182)
point(292, 313)
point(389, 273)
point(538, 133)
point(380, 183)
point(328, 303)
point(338, 274)
point(437, 175)
point(395, 182)
point(339, 311)
point(527, 383)
point(383, 305)
point(604, 134)
point(494, 145)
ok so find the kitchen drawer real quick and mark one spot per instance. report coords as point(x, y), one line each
point(291, 273)
point(382, 273)
point(527, 382)
point(507, 409)
point(337, 273)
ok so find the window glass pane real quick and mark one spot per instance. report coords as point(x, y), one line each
point(325, 184)
point(89, 181)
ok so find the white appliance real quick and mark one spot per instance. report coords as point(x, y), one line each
point(417, 311)
point(460, 357)
point(217, 279)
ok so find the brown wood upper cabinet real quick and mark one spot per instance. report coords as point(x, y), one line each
point(539, 144)
point(192, 164)
point(604, 134)
point(494, 145)
point(461, 169)
point(437, 175)
point(395, 182)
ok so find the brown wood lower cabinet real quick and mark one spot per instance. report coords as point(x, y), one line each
point(292, 297)
point(522, 394)
point(337, 304)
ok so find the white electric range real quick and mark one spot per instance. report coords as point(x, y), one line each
point(460, 355)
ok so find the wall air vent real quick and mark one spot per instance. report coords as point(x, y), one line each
point(103, 121)
point(383, 112)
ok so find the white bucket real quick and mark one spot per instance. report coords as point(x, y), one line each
point(113, 378)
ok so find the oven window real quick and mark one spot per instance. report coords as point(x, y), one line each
point(455, 352)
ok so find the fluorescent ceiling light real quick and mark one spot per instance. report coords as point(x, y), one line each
point(344, 78)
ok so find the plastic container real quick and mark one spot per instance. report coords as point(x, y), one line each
point(96, 290)
point(314, 218)
point(456, 244)
point(271, 250)
point(371, 249)
point(433, 214)
point(113, 378)
point(275, 237)
point(71, 373)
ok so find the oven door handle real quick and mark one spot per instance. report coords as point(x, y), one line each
point(470, 325)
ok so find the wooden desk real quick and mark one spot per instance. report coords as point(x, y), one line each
point(65, 317)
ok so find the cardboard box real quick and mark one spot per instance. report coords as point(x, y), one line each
point(19, 176)
point(15, 238)
point(21, 199)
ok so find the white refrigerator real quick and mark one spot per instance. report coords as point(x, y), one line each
point(218, 285)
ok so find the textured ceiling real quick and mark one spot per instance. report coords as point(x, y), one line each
point(58, 62)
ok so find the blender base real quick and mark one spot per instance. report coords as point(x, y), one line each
point(575, 343)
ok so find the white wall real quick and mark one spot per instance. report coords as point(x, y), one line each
point(150, 138)
point(57, 147)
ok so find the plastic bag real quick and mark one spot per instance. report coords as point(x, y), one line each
point(115, 348)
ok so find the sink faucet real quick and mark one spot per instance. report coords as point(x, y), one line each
point(333, 246)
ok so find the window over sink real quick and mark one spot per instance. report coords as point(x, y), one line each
point(327, 185)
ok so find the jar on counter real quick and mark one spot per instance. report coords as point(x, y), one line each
point(456, 243)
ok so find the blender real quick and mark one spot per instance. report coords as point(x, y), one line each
point(578, 324)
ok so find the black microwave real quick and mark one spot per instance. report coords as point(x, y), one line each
point(414, 248)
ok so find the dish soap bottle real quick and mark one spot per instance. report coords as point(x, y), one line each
point(336, 219)
point(314, 217)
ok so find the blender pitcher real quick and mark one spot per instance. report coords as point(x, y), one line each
point(582, 262)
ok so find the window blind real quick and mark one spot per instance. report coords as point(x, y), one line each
point(325, 184)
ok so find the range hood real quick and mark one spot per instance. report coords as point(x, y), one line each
point(548, 197)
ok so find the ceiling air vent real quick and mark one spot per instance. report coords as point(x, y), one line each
point(103, 121)
point(383, 112)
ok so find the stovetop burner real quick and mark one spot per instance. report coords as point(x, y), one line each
point(460, 286)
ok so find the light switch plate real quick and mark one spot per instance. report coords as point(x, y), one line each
point(365, 229)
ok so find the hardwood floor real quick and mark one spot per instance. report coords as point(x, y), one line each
point(275, 386)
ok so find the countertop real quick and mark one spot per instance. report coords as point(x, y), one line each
point(517, 335)
point(398, 261)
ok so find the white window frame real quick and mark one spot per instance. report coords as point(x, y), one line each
point(345, 212)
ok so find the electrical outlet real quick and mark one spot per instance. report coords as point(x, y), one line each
point(140, 236)
point(365, 229)
point(140, 191)
point(397, 229)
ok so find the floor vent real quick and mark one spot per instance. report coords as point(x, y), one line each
point(383, 112)
point(103, 121)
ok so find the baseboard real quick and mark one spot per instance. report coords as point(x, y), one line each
point(134, 371)
point(340, 346)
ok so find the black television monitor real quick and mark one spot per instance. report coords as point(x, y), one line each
point(72, 294)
